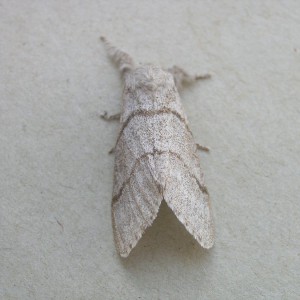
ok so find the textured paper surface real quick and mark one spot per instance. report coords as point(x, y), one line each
point(56, 177)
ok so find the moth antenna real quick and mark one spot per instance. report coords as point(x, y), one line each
point(123, 60)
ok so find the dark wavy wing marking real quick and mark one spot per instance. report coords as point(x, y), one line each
point(150, 113)
point(137, 162)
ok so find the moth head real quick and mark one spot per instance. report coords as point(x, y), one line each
point(148, 78)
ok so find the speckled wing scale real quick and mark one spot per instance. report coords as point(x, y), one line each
point(156, 157)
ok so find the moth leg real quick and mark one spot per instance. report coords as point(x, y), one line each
point(112, 150)
point(202, 148)
point(202, 76)
point(122, 59)
point(106, 117)
point(181, 77)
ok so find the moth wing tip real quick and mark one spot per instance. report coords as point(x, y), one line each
point(124, 254)
point(208, 245)
point(207, 242)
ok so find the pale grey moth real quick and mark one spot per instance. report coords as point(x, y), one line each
point(156, 157)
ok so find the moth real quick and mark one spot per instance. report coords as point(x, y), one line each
point(156, 157)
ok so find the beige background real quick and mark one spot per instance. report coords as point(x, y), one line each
point(56, 176)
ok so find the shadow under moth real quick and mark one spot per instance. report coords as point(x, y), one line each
point(156, 157)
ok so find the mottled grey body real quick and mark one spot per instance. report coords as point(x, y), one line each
point(156, 157)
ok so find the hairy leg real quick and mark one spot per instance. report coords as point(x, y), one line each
point(106, 117)
point(202, 148)
point(181, 77)
point(119, 57)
